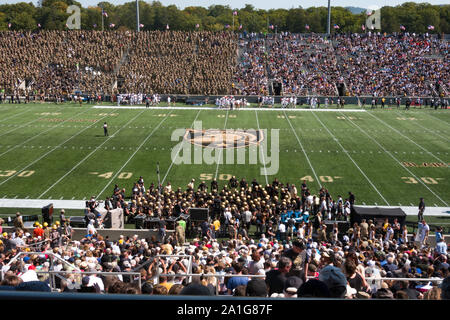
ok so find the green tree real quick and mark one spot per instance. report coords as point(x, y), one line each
point(21, 16)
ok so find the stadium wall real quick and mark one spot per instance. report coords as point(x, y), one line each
point(79, 233)
point(203, 99)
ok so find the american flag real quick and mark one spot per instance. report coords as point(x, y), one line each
point(95, 25)
point(235, 13)
point(39, 25)
point(271, 26)
point(197, 26)
point(363, 27)
point(227, 26)
point(402, 27)
point(141, 25)
point(105, 14)
point(307, 27)
point(167, 27)
point(9, 25)
point(112, 25)
point(430, 27)
point(240, 27)
point(336, 26)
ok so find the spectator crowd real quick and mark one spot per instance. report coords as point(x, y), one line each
point(57, 64)
point(369, 64)
point(261, 240)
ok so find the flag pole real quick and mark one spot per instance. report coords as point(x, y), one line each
point(329, 18)
point(103, 23)
point(138, 27)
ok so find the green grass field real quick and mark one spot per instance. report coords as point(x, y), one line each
point(385, 157)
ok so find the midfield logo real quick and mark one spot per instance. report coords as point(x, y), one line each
point(237, 146)
point(214, 138)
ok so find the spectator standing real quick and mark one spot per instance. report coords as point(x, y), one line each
point(276, 278)
point(441, 247)
point(236, 281)
point(421, 209)
point(180, 234)
point(105, 129)
point(422, 233)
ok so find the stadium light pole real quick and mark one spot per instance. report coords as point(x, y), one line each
point(329, 18)
point(103, 17)
point(138, 27)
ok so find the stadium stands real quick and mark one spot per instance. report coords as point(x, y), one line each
point(59, 63)
point(374, 260)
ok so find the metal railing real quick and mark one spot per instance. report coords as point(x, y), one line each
point(136, 276)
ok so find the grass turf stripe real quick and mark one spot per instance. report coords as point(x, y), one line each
point(386, 124)
point(178, 152)
point(50, 151)
point(85, 158)
point(396, 160)
point(132, 155)
point(354, 162)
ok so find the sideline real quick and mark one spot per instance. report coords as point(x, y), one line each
point(81, 204)
point(223, 109)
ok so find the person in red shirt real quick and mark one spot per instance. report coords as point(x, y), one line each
point(38, 231)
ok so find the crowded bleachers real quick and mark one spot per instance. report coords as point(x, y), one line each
point(59, 63)
point(403, 65)
point(262, 240)
point(370, 64)
point(180, 62)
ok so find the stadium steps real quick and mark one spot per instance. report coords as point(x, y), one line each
point(444, 90)
point(123, 60)
point(430, 85)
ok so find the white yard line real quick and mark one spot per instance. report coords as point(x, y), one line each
point(24, 125)
point(398, 161)
point(15, 115)
point(261, 148)
point(242, 109)
point(348, 155)
point(33, 137)
point(181, 146)
point(219, 159)
point(435, 118)
point(304, 151)
point(91, 153)
point(134, 153)
point(417, 124)
point(50, 151)
point(444, 162)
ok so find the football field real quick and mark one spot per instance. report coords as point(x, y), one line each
point(385, 157)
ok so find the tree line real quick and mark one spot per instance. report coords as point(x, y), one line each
point(52, 15)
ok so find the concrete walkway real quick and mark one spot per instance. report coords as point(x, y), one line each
point(39, 203)
point(80, 204)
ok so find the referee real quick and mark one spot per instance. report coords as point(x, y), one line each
point(105, 129)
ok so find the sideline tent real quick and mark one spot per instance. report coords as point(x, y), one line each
point(377, 214)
